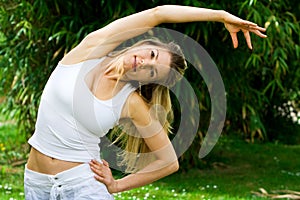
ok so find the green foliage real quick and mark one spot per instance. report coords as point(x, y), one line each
point(256, 81)
point(13, 149)
point(272, 68)
point(35, 34)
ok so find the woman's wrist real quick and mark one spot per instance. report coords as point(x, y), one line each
point(181, 14)
point(114, 187)
point(221, 15)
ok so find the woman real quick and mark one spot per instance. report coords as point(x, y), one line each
point(64, 159)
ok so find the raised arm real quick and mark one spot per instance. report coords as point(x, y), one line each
point(104, 40)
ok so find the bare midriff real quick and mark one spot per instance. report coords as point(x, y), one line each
point(42, 163)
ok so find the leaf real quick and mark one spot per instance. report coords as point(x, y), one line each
point(281, 194)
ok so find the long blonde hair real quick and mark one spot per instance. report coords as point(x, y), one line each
point(135, 153)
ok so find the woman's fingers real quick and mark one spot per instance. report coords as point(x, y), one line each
point(257, 30)
point(95, 162)
point(248, 39)
point(248, 23)
point(234, 39)
point(101, 170)
point(260, 34)
point(246, 28)
point(96, 167)
point(105, 162)
point(103, 174)
point(261, 29)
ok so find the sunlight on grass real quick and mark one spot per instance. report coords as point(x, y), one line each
point(155, 192)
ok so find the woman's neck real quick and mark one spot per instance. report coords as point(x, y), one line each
point(106, 79)
point(113, 69)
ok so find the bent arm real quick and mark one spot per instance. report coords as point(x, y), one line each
point(160, 146)
point(152, 172)
point(157, 141)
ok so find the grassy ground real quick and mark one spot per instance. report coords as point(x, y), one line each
point(237, 169)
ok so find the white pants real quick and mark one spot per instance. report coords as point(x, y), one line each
point(76, 183)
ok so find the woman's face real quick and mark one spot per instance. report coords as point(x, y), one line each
point(146, 63)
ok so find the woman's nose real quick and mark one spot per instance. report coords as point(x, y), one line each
point(141, 63)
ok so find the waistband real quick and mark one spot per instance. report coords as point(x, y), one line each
point(74, 175)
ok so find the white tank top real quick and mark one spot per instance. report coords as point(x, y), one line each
point(71, 119)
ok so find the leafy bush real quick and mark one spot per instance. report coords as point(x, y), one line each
point(34, 36)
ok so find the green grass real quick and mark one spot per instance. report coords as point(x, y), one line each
point(236, 169)
point(13, 151)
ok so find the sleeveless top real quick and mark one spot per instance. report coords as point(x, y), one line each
point(71, 119)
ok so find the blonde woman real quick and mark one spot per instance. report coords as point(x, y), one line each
point(64, 162)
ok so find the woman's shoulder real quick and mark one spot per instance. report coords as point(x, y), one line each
point(64, 63)
point(136, 105)
point(136, 99)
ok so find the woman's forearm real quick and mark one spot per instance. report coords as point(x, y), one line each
point(180, 14)
point(168, 14)
point(149, 174)
point(138, 23)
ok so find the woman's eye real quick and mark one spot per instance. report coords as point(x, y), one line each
point(151, 72)
point(152, 54)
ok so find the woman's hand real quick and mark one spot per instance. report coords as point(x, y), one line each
point(104, 175)
point(234, 24)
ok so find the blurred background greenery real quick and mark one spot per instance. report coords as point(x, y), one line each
point(262, 85)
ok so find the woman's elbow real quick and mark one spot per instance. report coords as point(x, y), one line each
point(174, 167)
point(157, 13)
point(93, 39)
